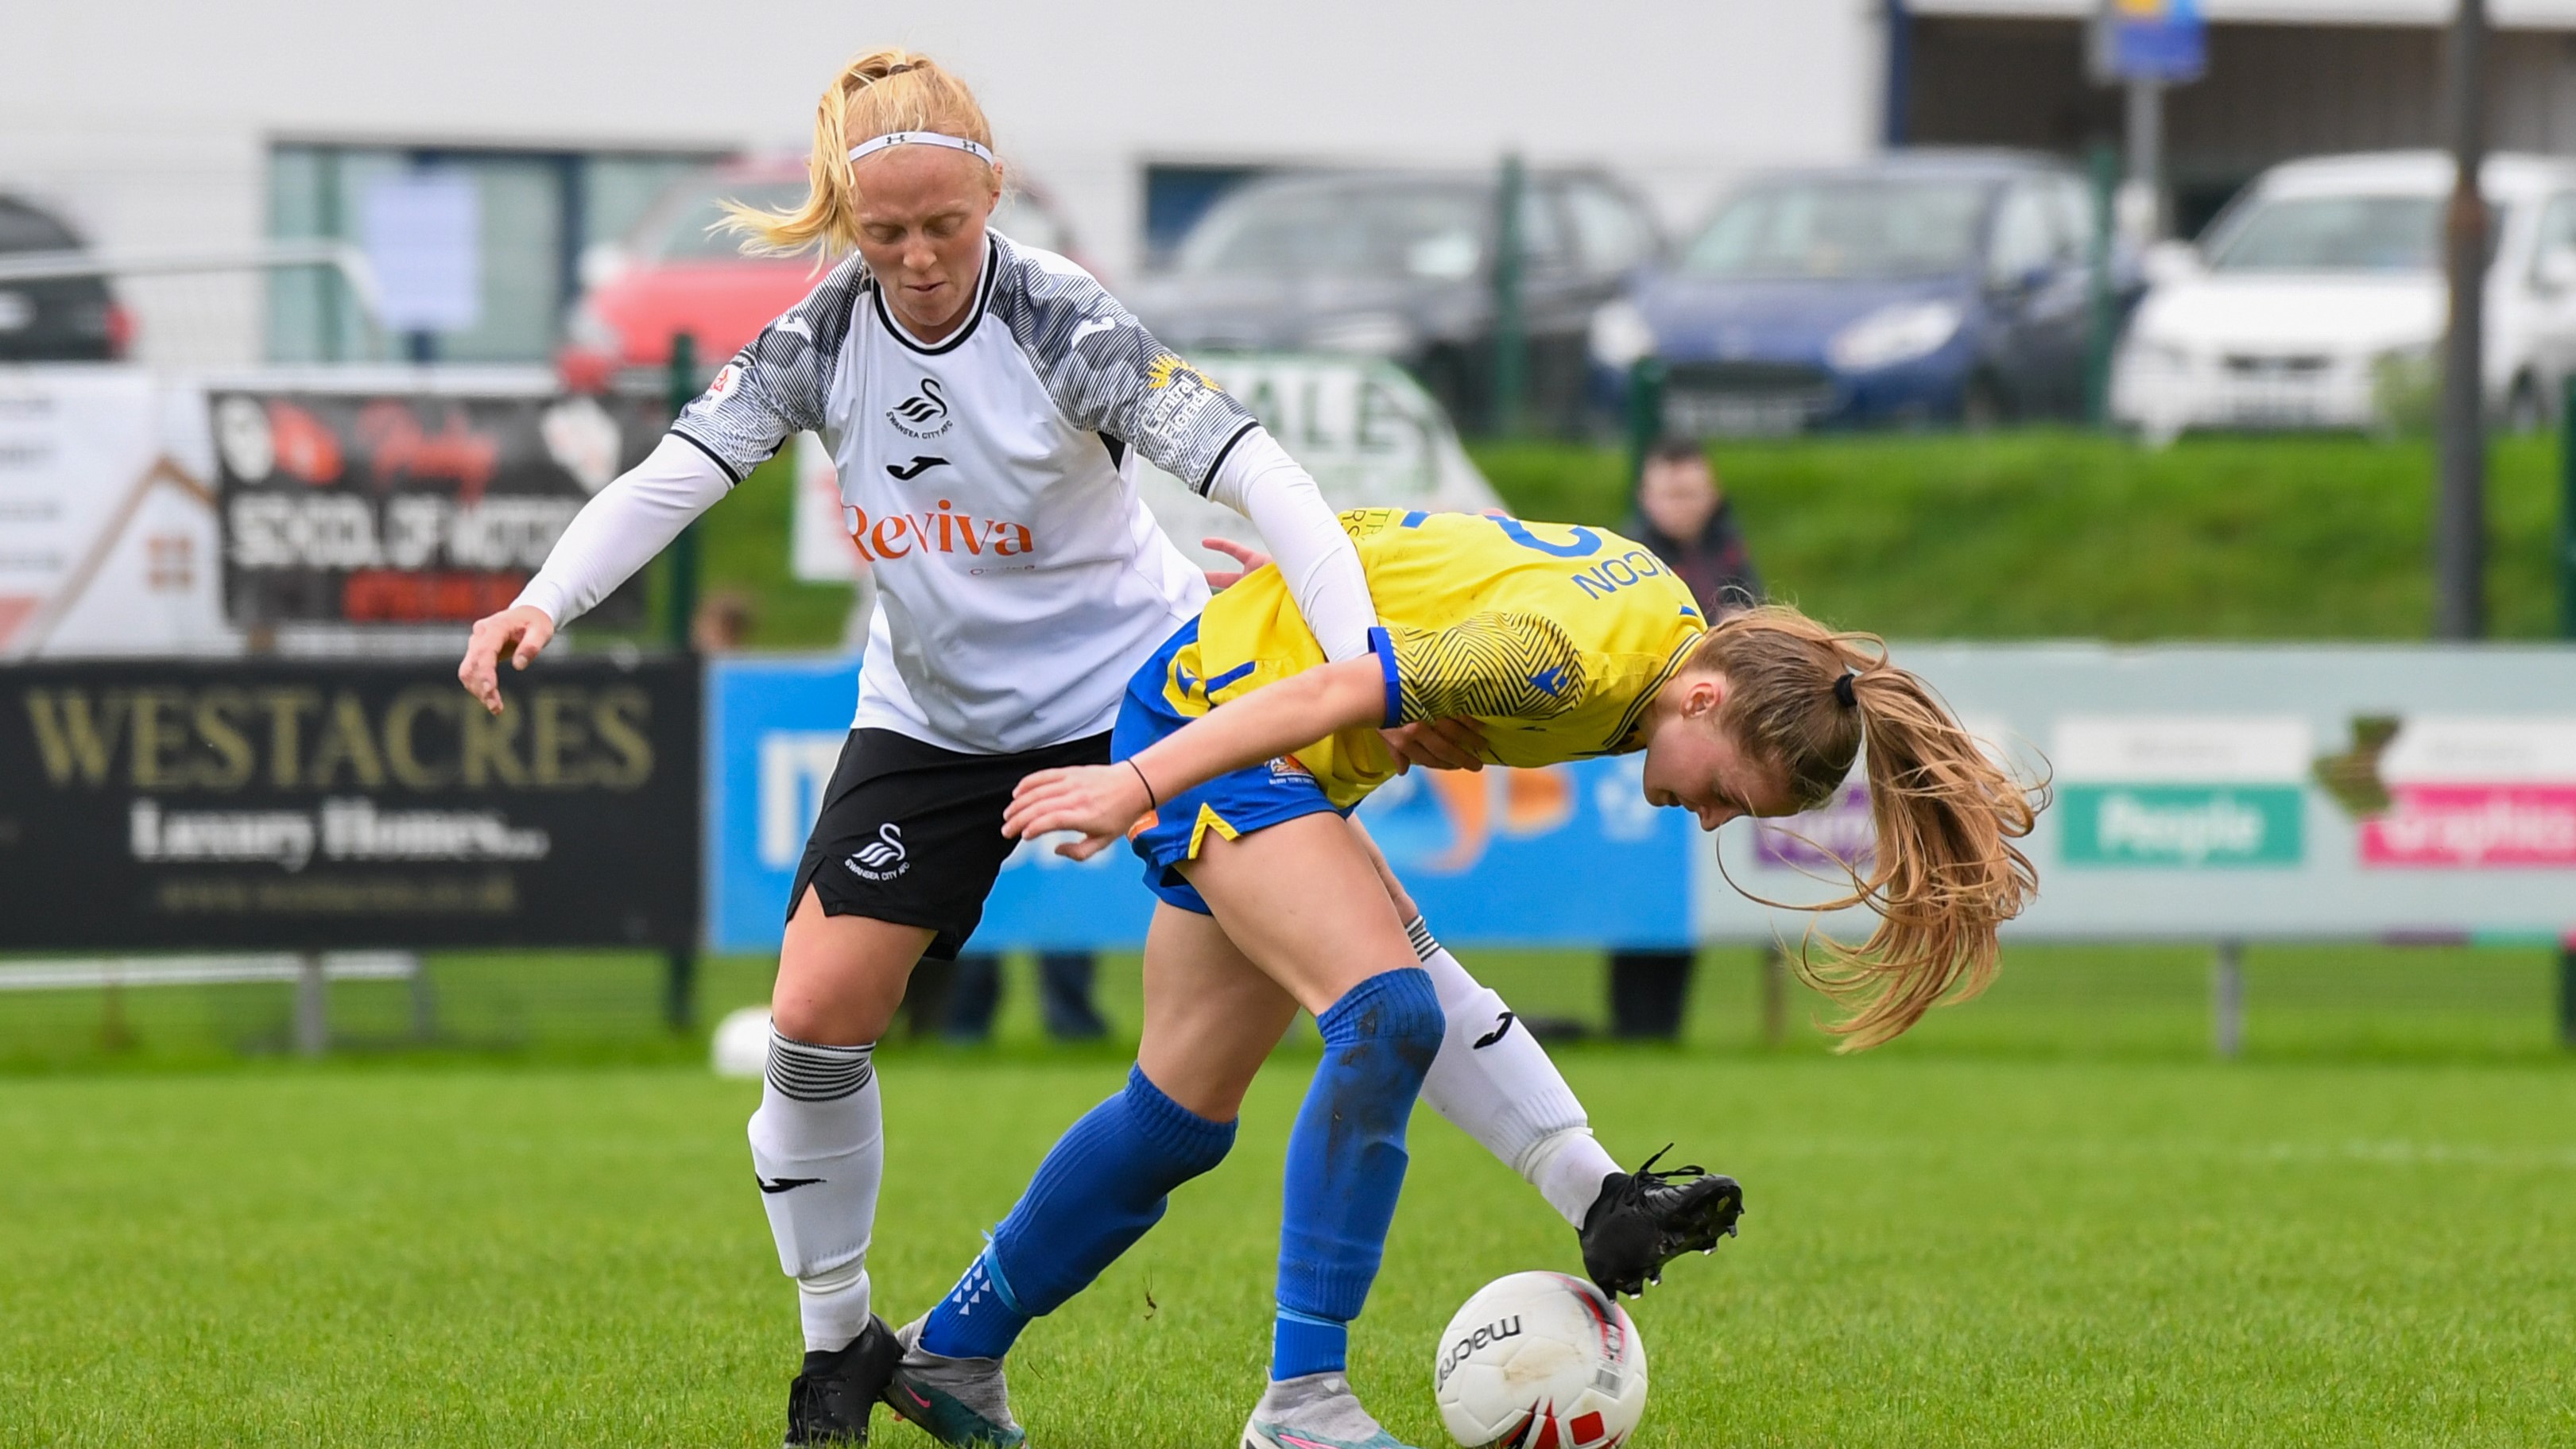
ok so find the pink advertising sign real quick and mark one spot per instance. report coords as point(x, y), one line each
point(2477, 793)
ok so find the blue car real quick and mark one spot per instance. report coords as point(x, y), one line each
point(1925, 287)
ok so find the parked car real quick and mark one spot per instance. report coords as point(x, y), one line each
point(676, 272)
point(2317, 300)
point(1922, 287)
point(1400, 265)
point(54, 319)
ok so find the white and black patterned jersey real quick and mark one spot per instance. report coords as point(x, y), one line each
point(988, 480)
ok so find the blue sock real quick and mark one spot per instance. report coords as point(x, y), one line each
point(1102, 1185)
point(1346, 1164)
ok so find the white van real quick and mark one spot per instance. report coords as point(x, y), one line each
point(2317, 299)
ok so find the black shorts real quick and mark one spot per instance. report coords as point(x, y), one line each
point(912, 833)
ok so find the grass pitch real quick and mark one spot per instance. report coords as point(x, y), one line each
point(1960, 1249)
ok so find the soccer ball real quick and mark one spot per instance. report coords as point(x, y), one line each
point(1540, 1361)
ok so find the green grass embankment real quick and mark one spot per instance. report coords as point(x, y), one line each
point(2049, 534)
point(2037, 534)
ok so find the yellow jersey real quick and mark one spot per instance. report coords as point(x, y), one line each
point(1551, 637)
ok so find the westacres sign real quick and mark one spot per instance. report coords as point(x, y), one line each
point(394, 507)
point(299, 805)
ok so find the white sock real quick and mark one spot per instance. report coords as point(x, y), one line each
point(1567, 1170)
point(818, 1147)
point(833, 1305)
point(1495, 1082)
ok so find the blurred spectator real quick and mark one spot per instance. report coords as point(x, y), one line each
point(724, 620)
point(1064, 996)
point(1683, 515)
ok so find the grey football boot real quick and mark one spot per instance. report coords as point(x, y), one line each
point(958, 1401)
point(1315, 1411)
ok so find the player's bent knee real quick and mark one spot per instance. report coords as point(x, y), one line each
point(841, 978)
point(1400, 1008)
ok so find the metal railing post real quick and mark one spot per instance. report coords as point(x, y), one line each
point(680, 990)
point(312, 1006)
point(680, 601)
point(2567, 993)
point(2227, 999)
point(2567, 513)
point(1775, 995)
point(1511, 321)
point(1645, 413)
point(2103, 320)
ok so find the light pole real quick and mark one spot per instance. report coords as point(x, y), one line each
point(2459, 514)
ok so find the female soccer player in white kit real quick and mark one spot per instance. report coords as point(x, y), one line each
point(982, 400)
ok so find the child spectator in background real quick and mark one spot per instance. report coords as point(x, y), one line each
point(1683, 515)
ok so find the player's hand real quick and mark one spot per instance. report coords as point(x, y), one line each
point(1099, 801)
point(1252, 560)
point(1438, 744)
point(518, 632)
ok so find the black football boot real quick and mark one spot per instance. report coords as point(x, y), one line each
point(1645, 1219)
point(829, 1402)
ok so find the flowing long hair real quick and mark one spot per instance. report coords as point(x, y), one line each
point(1946, 872)
point(878, 93)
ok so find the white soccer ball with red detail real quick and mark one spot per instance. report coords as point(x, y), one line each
point(1540, 1361)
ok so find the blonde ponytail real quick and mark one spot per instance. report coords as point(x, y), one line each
point(1945, 874)
point(879, 92)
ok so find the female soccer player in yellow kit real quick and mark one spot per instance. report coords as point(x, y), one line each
point(1238, 751)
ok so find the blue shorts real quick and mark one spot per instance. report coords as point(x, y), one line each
point(1230, 805)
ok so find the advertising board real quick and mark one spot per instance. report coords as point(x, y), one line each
point(1571, 855)
point(107, 524)
point(276, 804)
point(2205, 792)
point(412, 507)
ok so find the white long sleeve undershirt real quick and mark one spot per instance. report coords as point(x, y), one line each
point(620, 530)
point(1260, 481)
point(637, 516)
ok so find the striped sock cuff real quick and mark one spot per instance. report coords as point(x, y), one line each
point(1419, 930)
point(811, 1072)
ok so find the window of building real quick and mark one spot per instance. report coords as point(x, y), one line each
point(533, 212)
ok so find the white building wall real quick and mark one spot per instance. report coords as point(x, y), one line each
point(149, 124)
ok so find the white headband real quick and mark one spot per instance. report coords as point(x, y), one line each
point(975, 149)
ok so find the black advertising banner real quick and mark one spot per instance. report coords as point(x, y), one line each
point(407, 508)
point(299, 805)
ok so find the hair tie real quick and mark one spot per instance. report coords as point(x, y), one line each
point(1843, 690)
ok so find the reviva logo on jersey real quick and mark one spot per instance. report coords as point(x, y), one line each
point(894, 535)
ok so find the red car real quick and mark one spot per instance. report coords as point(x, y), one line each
point(674, 274)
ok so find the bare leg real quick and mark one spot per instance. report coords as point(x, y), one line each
point(1305, 902)
point(840, 978)
point(1211, 1016)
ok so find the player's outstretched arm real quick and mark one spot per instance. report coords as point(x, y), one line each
point(633, 518)
point(1102, 801)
